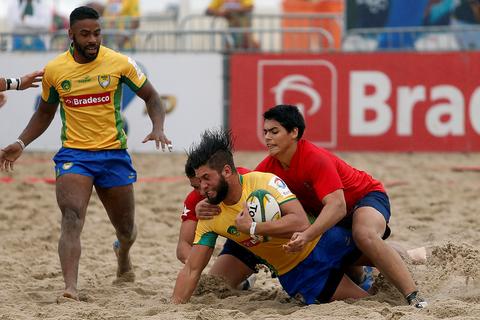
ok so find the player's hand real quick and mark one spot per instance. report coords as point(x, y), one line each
point(31, 80)
point(3, 99)
point(243, 221)
point(297, 242)
point(8, 155)
point(160, 139)
point(206, 211)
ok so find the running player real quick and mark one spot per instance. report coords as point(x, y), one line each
point(86, 81)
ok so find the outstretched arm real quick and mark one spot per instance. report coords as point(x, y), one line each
point(156, 112)
point(30, 80)
point(39, 122)
point(185, 240)
point(188, 277)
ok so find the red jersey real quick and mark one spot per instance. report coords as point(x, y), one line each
point(315, 172)
point(194, 197)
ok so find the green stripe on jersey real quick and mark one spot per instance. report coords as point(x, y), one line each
point(208, 239)
point(117, 104)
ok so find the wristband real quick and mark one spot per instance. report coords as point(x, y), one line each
point(13, 83)
point(252, 228)
point(20, 142)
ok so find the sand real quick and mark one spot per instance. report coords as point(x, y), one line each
point(433, 205)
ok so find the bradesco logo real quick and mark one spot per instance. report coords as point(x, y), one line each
point(438, 110)
point(311, 85)
point(87, 100)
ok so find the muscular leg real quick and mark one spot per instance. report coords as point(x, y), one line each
point(73, 193)
point(367, 228)
point(232, 269)
point(120, 206)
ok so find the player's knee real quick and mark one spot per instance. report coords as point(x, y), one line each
point(364, 237)
point(71, 219)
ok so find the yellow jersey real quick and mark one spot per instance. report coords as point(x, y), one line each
point(268, 249)
point(90, 96)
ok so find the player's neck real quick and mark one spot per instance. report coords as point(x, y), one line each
point(285, 157)
point(234, 191)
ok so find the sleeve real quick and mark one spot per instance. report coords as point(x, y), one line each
point(133, 75)
point(323, 176)
point(49, 92)
point(189, 207)
point(279, 189)
point(204, 235)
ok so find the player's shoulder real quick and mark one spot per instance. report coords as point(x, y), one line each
point(257, 175)
point(193, 197)
point(266, 164)
point(58, 62)
point(109, 54)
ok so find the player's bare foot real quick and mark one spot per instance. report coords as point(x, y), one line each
point(124, 269)
point(68, 295)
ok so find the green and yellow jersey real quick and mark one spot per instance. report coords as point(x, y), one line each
point(90, 95)
point(268, 249)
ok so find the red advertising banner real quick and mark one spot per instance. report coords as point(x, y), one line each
point(356, 102)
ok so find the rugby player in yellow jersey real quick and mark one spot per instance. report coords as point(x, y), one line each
point(313, 274)
point(86, 82)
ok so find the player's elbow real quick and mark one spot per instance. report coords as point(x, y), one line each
point(339, 207)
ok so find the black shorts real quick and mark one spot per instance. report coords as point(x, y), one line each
point(241, 253)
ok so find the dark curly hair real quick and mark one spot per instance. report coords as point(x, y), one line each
point(214, 149)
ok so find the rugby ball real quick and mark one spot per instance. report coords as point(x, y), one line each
point(262, 206)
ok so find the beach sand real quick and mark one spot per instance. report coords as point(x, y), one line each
point(433, 205)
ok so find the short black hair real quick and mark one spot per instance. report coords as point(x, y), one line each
point(288, 116)
point(82, 13)
point(214, 149)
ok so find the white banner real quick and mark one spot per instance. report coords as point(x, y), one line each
point(192, 84)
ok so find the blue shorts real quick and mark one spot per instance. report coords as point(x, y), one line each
point(108, 168)
point(315, 279)
point(375, 199)
point(241, 253)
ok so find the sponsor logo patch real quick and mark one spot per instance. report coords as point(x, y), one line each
point(137, 68)
point(67, 165)
point(87, 100)
point(66, 85)
point(280, 186)
point(233, 230)
point(85, 79)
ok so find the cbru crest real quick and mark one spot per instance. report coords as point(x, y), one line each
point(104, 80)
point(66, 85)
